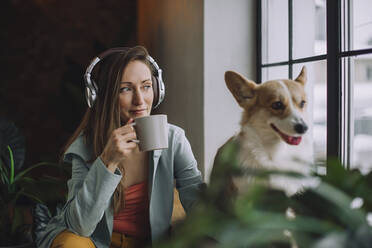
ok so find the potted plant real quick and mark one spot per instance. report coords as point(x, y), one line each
point(337, 212)
point(20, 191)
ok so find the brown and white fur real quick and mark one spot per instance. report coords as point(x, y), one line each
point(273, 128)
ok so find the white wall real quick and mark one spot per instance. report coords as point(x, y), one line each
point(229, 44)
point(195, 42)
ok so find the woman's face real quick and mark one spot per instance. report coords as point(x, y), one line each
point(136, 94)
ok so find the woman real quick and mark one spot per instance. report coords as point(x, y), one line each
point(119, 196)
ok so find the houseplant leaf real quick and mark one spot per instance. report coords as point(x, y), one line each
point(11, 136)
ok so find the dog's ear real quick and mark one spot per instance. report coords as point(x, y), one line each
point(242, 89)
point(302, 77)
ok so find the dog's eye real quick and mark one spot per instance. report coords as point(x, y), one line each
point(302, 104)
point(277, 105)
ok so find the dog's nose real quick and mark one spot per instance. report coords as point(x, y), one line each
point(300, 128)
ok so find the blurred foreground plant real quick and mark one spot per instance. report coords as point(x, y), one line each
point(335, 213)
point(18, 190)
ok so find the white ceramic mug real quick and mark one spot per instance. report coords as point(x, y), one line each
point(152, 132)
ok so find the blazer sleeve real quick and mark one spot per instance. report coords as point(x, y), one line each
point(89, 194)
point(188, 178)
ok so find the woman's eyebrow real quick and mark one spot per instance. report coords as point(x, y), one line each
point(149, 79)
point(132, 83)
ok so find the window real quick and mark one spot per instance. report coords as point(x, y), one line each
point(369, 72)
point(333, 39)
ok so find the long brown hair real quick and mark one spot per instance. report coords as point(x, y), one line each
point(99, 121)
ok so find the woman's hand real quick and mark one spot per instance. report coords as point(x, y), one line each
point(119, 146)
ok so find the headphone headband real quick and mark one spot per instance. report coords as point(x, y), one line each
point(91, 87)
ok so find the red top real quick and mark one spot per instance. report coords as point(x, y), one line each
point(133, 220)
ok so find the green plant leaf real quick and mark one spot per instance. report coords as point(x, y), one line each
point(46, 188)
point(16, 196)
point(17, 220)
point(11, 136)
point(35, 198)
point(11, 165)
point(341, 203)
point(256, 218)
point(25, 179)
point(49, 164)
point(4, 173)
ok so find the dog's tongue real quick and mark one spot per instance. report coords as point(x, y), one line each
point(292, 140)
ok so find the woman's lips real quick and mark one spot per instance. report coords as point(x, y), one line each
point(138, 112)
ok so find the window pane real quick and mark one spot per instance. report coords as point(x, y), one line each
point(316, 90)
point(362, 112)
point(362, 24)
point(274, 31)
point(274, 72)
point(309, 28)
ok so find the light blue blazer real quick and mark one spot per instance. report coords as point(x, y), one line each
point(89, 211)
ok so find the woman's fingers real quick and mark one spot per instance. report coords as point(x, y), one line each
point(130, 121)
point(125, 129)
point(120, 144)
point(130, 145)
point(128, 137)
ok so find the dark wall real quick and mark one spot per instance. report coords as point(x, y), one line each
point(45, 48)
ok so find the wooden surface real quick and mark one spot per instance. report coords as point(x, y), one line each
point(178, 211)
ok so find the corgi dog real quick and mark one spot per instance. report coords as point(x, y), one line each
point(274, 129)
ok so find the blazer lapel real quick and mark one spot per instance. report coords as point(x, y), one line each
point(156, 158)
point(153, 166)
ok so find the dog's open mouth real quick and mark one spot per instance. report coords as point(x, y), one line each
point(288, 139)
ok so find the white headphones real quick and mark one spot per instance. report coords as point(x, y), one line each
point(91, 87)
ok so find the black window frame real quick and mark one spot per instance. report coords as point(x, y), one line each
point(333, 56)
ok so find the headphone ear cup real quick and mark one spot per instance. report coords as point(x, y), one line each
point(155, 87)
point(90, 92)
point(95, 87)
point(88, 96)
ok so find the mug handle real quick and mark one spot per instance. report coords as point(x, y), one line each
point(135, 140)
